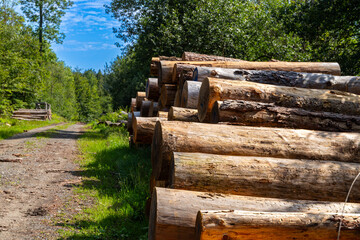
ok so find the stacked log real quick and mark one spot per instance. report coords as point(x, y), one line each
point(183, 114)
point(140, 96)
point(153, 110)
point(152, 89)
point(131, 117)
point(162, 114)
point(133, 105)
point(167, 95)
point(143, 128)
point(191, 56)
point(145, 108)
point(190, 94)
point(32, 114)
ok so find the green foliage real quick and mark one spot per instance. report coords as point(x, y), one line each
point(117, 116)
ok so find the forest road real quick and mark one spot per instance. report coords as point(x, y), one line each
point(37, 175)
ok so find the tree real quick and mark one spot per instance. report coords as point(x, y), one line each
point(46, 14)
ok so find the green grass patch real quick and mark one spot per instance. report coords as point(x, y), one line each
point(117, 179)
point(10, 127)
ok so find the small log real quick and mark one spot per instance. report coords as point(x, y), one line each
point(145, 107)
point(133, 104)
point(143, 128)
point(191, 56)
point(167, 96)
point(182, 71)
point(183, 114)
point(213, 89)
point(291, 79)
point(173, 212)
point(176, 136)
point(152, 89)
point(162, 114)
point(154, 67)
point(153, 110)
point(190, 94)
point(265, 177)
point(140, 96)
point(131, 117)
point(248, 113)
point(234, 224)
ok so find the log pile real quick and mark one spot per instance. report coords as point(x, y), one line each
point(42, 112)
point(279, 163)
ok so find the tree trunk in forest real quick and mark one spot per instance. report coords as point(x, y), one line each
point(131, 117)
point(213, 89)
point(173, 212)
point(291, 79)
point(265, 177)
point(140, 96)
point(191, 56)
point(152, 89)
point(145, 107)
point(234, 224)
point(162, 114)
point(182, 70)
point(221, 139)
point(190, 94)
point(133, 105)
point(183, 114)
point(143, 128)
point(167, 95)
point(153, 110)
point(248, 113)
point(166, 67)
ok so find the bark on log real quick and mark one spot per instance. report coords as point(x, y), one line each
point(145, 107)
point(133, 104)
point(154, 67)
point(152, 89)
point(166, 67)
point(167, 96)
point(143, 128)
point(265, 177)
point(292, 79)
point(154, 108)
point(191, 56)
point(183, 114)
point(162, 114)
point(234, 224)
point(248, 113)
point(131, 116)
point(182, 70)
point(177, 101)
point(140, 96)
point(190, 94)
point(173, 212)
point(178, 136)
point(213, 89)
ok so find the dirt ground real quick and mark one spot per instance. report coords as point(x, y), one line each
point(37, 175)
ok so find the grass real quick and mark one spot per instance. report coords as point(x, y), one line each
point(115, 178)
point(10, 127)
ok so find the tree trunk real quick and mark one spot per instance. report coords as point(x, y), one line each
point(167, 96)
point(182, 70)
point(131, 117)
point(154, 67)
point(183, 114)
point(153, 109)
point(190, 94)
point(173, 212)
point(152, 89)
point(166, 67)
point(265, 177)
point(178, 136)
point(248, 113)
point(213, 90)
point(145, 107)
point(162, 114)
point(133, 104)
point(143, 128)
point(292, 79)
point(140, 96)
point(230, 224)
point(191, 56)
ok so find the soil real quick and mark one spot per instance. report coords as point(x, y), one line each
point(37, 175)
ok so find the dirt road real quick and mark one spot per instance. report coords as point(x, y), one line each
point(36, 178)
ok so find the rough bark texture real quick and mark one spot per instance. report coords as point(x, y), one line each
point(143, 128)
point(183, 114)
point(191, 56)
point(173, 212)
point(282, 78)
point(152, 89)
point(248, 113)
point(184, 70)
point(131, 116)
point(145, 107)
point(162, 114)
point(154, 108)
point(140, 96)
point(265, 177)
point(167, 96)
point(190, 94)
point(213, 89)
point(177, 136)
point(166, 67)
point(133, 104)
point(222, 224)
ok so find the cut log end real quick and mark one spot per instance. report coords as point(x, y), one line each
point(203, 100)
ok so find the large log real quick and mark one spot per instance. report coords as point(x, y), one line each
point(265, 177)
point(140, 96)
point(182, 71)
point(167, 96)
point(133, 104)
point(230, 224)
point(178, 136)
point(166, 67)
point(183, 114)
point(190, 94)
point(145, 107)
point(143, 128)
point(249, 113)
point(154, 108)
point(213, 89)
point(283, 78)
point(191, 56)
point(173, 212)
point(131, 117)
point(152, 89)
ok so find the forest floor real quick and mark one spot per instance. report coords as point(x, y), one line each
point(37, 176)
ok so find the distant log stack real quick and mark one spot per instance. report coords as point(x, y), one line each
point(190, 94)
point(183, 114)
point(42, 112)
